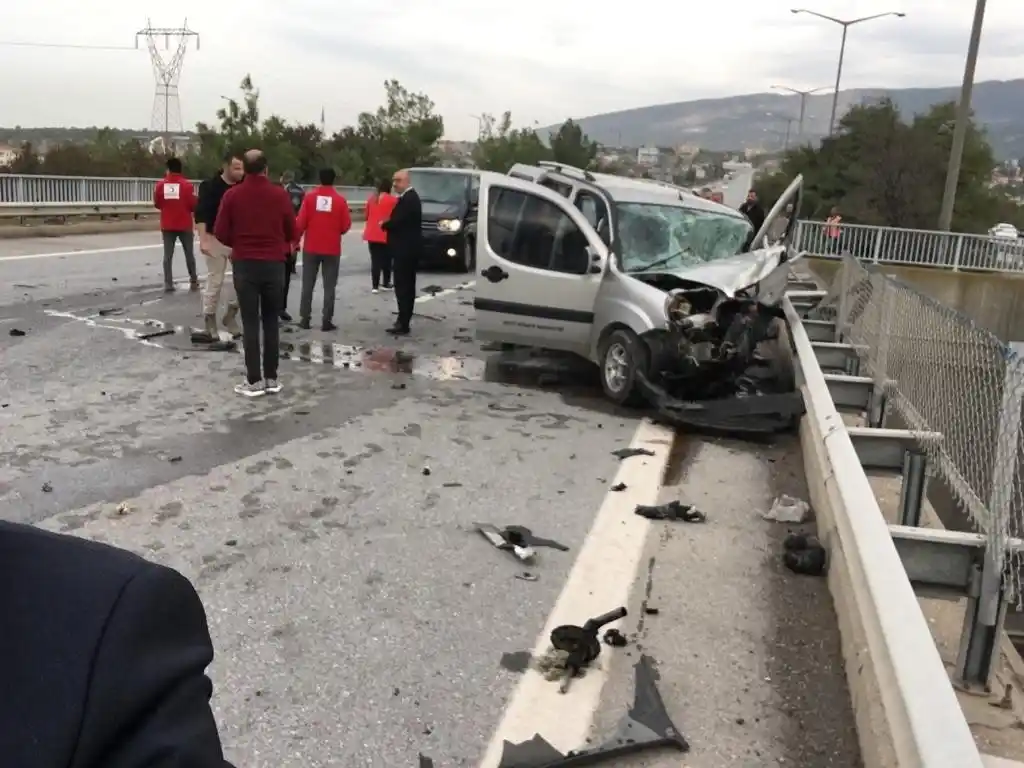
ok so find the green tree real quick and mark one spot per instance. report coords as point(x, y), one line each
point(570, 145)
point(881, 169)
point(500, 146)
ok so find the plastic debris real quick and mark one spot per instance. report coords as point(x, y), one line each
point(626, 453)
point(16, 332)
point(804, 555)
point(614, 638)
point(673, 511)
point(788, 509)
point(500, 541)
point(581, 644)
point(618, 487)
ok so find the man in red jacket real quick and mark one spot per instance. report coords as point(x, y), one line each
point(175, 198)
point(324, 217)
point(257, 223)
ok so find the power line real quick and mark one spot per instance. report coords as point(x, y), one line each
point(24, 44)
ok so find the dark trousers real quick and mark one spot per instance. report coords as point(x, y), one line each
point(259, 286)
point(186, 240)
point(405, 288)
point(289, 269)
point(380, 264)
point(311, 264)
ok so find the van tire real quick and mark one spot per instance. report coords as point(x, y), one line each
point(467, 263)
point(622, 351)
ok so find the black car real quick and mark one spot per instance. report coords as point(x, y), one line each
point(449, 197)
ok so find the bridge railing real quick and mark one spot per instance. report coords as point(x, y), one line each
point(912, 247)
point(18, 190)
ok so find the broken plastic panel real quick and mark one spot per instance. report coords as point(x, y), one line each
point(646, 726)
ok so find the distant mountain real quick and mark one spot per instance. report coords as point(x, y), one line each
point(758, 120)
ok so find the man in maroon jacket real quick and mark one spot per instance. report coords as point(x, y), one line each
point(257, 223)
point(175, 198)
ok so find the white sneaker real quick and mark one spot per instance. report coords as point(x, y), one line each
point(272, 387)
point(374, 290)
point(246, 389)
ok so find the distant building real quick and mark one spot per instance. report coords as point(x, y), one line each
point(648, 156)
point(8, 154)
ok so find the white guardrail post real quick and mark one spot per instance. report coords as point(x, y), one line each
point(885, 630)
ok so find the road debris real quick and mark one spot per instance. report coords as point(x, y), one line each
point(111, 311)
point(501, 541)
point(155, 334)
point(16, 332)
point(614, 638)
point(122, 509)
point(47, 488)
point(628, 453)
point(174, 459)
point(673, 511)
point(524, 537)
point(580, 644)
point(426, 471)
point(788, 509)
point(526, 576)
point(618, 487)
point(646, 726)
point(804, 555)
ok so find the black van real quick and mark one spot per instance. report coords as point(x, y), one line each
point(449, 197)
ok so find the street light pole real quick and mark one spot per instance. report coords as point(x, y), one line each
point(803, 105)
point(963, 118)
point(845, 24)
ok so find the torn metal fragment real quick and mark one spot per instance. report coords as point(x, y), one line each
point(626, 453)
point(674, 511)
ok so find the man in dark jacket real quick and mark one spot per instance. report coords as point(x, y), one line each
point(104, 658)
point(296, 194)
point(257, 223)
point(753, 211)
point(405, 239)
point(218, 256)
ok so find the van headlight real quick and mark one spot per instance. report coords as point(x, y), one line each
point(449, 226)
point(677, 306)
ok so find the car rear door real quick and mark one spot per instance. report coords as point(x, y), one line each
point(539, 267)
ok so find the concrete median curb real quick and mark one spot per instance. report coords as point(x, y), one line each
point(906, 711)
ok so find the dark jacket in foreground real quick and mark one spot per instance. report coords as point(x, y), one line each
point(102, 659)
point(405, 226)
point(256, 220)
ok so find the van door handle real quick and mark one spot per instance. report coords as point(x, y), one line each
point(494, 274)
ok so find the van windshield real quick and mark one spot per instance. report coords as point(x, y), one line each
point(673, 237)
point(440, 186)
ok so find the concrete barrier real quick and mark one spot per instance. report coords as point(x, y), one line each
point(906, 710)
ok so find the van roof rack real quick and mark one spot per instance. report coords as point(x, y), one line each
point(568, 170)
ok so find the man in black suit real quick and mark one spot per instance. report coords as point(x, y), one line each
point(104, 657)
point(405, 241)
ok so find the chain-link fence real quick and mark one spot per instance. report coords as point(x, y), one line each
point(941, 372)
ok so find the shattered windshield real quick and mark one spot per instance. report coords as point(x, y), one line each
point(673, 237)
point(440, 187)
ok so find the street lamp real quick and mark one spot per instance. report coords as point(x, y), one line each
point(845, 24)
point(803, 105)
point(963, 117)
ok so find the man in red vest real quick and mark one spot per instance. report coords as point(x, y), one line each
point(323, 218)
point(175, 198)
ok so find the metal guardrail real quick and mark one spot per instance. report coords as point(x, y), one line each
point(913, 247)
point(893, 664)
point(29, 190)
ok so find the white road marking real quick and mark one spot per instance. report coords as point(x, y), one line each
point(89, 252)
point(129, 333)
point(601, 580)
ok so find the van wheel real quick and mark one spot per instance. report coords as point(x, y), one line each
point(467, 263)
point(622, 355)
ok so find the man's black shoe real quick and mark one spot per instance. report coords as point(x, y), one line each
point(328, 326)
point(285, 317)
point(396, 331)
point(304, 324)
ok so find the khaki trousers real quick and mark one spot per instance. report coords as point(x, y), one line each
point(216, 266)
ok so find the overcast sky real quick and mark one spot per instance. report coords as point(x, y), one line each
point(543, 60)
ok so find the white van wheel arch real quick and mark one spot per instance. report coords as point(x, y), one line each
point(623, 353)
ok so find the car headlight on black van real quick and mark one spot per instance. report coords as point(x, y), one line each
point(449, 226)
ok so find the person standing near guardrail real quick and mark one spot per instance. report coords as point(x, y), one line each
point(379, 206)
point(175, 198)
point(833, 230)
point(296, 194)
point(257, 223)
point(324, 218)
point(211, 192)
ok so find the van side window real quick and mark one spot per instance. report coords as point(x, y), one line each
point(595, 211)
point(557, 186)
point(531, 231)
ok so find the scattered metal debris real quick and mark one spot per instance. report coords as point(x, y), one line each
point(16, 332)
point(498, 538)
point(526, 576)
point(580, 644)
point(804, 555)
point(155, 334)
point(627, 453)
point(615, 638)
point(618, 487)
point(646, 726)
point(673, 511)
point(524, 537)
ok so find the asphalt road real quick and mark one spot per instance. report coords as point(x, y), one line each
point(358, 620)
